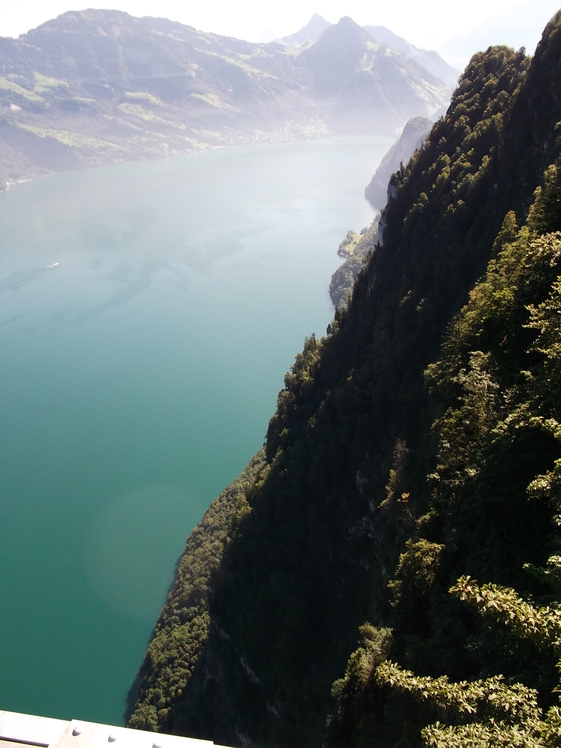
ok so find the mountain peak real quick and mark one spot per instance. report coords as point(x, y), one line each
point(345, 32)
point(347, 21)
point(77, 21)
point(308, 33)
point(337, 55)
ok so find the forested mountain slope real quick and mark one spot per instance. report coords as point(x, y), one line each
point(398, 459)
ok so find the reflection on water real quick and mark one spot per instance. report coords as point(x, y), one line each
point(148, 314)
point(125, 577)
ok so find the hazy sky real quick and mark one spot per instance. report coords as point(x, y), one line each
point(428, 24)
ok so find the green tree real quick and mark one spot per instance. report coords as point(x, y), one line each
point(491, 712)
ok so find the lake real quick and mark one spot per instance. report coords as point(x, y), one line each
point(148, 313)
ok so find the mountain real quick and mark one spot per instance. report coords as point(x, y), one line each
point(360, 78)
point(356, 248)
point(413, 136)
point(329, 596)
point(429, 59)
point(311, 32)
point(100, 86)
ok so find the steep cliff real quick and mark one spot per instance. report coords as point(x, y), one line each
point(412, 137)
point(344, 526)
point(100, 86)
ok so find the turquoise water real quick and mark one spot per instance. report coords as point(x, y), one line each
point(148, 313)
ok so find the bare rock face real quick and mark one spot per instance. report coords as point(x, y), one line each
point(366, 87)
point(413, 136)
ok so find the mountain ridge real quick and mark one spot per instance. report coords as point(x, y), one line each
point(378, 491)
point(94, 87)
point(308, 33)
point(430, 59)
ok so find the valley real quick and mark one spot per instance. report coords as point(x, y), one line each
point(102, 87)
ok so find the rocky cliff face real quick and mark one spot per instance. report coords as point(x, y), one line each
point(413, 136)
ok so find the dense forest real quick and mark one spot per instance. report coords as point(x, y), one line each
point(387, 571)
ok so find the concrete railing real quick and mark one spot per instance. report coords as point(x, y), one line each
point(17, 730)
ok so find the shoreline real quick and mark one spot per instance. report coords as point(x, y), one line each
point(263, 139)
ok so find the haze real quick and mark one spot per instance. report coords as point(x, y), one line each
point(429, 25)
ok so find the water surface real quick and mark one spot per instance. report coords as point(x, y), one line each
point(148, 313)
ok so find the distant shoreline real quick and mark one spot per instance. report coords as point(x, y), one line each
point(267, 140)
